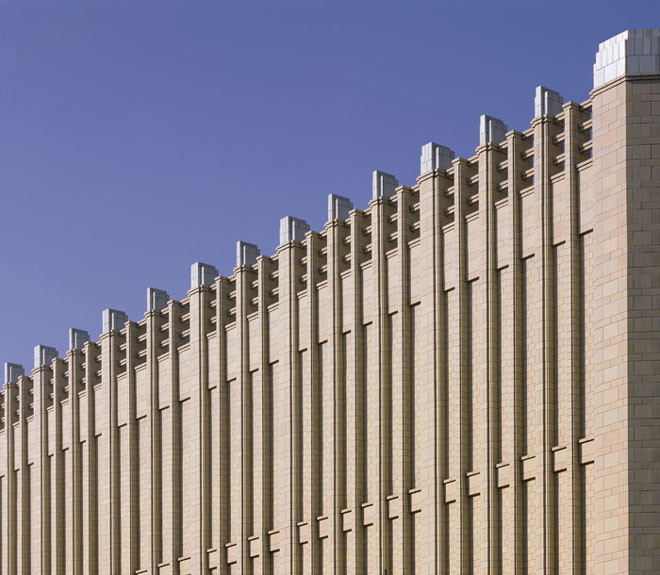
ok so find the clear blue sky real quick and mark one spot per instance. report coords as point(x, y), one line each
point(139, 137)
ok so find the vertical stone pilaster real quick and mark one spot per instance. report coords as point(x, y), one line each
point(262, 401)
point(11, 417)
point(222, 467)
point(403, 395)
point(311, 443)
point(336, 234)
point(25, 501)
point(58, 476)
point(153, 523)
point(356, 437)
point(41, 488)
point(288, 504)
point(432, 534)
point(74, 360)
point(546, 478)
point(460, 388)
point(380, 243)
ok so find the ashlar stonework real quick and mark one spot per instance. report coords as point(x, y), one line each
point(462, 378)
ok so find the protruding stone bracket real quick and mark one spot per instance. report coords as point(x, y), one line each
point(202, 275)
point(156, 299)
point(384, 185)
point(113, 320)
point(78, 338)
point(435, 157)
point(13, 371)
point(338, 207)
point(44, 355)
point(547, 102)
point(291, 230)
point(491, 130)
point(246, 254)
point(631, 52)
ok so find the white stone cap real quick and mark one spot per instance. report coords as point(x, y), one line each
point(547, 102)
point(113, 320)
point(292, 230)
point(491, 130)
point(13, 371)
point(201, 275)
point(631, 52)
point(435, 157)
point(246, 254)
point(383, 185)
point(157, 299)
point(77, 338)
point(338, 207)
point(44, 355)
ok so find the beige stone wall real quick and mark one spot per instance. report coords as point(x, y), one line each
point(460, 379)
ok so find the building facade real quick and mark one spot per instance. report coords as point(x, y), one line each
point(463, 378)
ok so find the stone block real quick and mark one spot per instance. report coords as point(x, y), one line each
point(304, 532)
point(347, 520)
point(491, 130)
point(630, 52)
point(560, 459)
point(394, 507)
point(528, 466)
point(416, 497)
point(77, 338)
point(338, 207)
point(113, 320)
point(254, 543)
point(547, 102)
point(451, 490)
point(369, 514)
point(13, 371)
point(504, 475)
point(292, 230)
point(274, 540)
point(383, 185)
point(435, 157)
point(246, 254)
point(475, 483)
point(324, 527)
point(202, 274)
point(157, 299)
point(44, 355)
point(232, 553)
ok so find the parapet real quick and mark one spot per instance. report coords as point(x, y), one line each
point(631, 52)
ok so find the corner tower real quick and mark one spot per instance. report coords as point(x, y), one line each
point(626, 292)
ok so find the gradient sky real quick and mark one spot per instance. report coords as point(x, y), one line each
point(139, 137)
